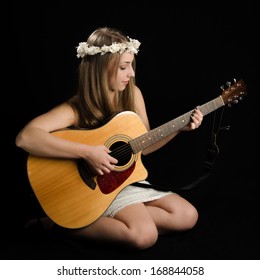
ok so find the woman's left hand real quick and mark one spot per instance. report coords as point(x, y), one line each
point(196, 120)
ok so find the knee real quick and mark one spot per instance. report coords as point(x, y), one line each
point(144, 238)
point(191, 217)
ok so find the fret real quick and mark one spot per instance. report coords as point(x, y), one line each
point(147, 139)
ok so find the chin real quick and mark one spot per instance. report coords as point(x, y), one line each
point(122, 88)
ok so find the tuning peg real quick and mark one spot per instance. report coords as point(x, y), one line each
point(222, 87)
point(229, 102)
point(241, 97)
point(228, 83)
point(235, 80)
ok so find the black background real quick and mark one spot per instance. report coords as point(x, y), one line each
point(186, 54)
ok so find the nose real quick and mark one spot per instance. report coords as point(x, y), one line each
point(131, 72)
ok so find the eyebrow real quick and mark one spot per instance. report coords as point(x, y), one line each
point(125, 62)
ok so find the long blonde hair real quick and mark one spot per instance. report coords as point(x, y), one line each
point(91, 103)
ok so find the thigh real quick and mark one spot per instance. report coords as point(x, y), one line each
point(135, 216)
point(130, 223)
point(172, 212)
point(171, 203)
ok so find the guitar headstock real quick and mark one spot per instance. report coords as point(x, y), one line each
point(234, 92)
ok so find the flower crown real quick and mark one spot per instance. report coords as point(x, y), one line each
point(132, 46)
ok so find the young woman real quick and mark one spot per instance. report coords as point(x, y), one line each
point(137, 216)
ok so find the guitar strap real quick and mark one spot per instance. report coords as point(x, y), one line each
point(211, 156)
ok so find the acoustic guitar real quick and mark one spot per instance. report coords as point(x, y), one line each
point(68, 191)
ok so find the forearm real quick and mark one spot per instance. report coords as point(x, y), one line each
point(38, 142)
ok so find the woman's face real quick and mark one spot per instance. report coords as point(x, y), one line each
point(121, 76)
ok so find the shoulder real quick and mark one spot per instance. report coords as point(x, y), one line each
point(138, 94)
point(66, 112)
point(137, 91)
point(56, 118)
point(65, 108)
point(140, 107)
point(139, 99)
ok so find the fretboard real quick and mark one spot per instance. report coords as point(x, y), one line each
point(149, 138)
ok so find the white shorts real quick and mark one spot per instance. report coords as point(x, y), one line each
point(131, 195)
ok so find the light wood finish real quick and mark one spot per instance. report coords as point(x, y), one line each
point(58, 186)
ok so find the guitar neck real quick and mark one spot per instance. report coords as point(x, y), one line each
point(147, 139)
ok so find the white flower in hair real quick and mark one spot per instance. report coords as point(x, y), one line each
point(132, 46)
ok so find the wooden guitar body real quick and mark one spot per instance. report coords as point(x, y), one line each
point(59, 187)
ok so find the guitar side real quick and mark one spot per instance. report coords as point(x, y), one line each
point(62, 193)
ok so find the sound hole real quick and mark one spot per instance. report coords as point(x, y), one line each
point(122, 152)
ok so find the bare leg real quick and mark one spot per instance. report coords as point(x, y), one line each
point(172, 213)
point(133, 226)
point(138, 225)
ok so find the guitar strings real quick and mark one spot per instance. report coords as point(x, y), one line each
point(123, 152)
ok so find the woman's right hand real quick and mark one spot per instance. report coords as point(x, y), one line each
point(100, 160)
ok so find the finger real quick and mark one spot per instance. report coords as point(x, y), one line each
point(107, 167)
point(196, 119)
point(199, 114)
point(106, 170)
point(192, 125)
point(113, 160)
point(100, 172)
